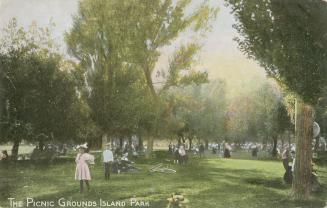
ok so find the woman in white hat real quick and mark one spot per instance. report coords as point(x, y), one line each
point(82, 172)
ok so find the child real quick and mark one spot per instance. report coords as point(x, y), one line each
point(108, 159)
point(82, 169)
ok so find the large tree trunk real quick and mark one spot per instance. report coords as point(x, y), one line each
point(147, 69)
point(140, 146)
point(206, 144)
point(179, 141)
point(147, 72)
point(183, 140)
point(303, 137)
point(130, 143)
point(41, 146)
point(149, 147)
point(104, 140)
point(274, 150)
point(190, 143)
point(121, 140)
point(14, 150)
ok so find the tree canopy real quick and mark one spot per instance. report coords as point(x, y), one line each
point(288, 39)
point(119, 52)
point(39, 91)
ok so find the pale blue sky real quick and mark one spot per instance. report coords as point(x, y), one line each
point(220, 55)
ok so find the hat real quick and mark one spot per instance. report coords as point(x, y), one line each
point(84, 146)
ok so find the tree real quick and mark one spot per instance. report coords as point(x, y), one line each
point(209, 122)
point(250, 115)
point(38, 89)
point(197, 111)
point(288, 39)
point(105, 39)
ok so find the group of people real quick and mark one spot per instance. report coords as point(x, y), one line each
point(179, 153)
point(221, 149)
point(180, 156)
point(83, 159)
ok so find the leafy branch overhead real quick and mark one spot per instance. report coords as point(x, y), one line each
point(118, 50)
point(180, 70)
point(288, 38)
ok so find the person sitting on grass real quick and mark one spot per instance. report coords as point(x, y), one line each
point(108, 159)
point(82, 172)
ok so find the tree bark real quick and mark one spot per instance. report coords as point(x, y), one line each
point(274, 150)
point(147, 69)
point(179, 141)
point(190, 143)
point(140, 146)
point(129, 143)
point(206, 144)
point(303, 140)
point(149, 147)
point(41, 146)
point(147, 73)
point(121, 143)
point(104, 140)
point(14, 150)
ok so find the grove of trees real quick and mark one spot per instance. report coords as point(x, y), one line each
point(109, 85)
point(39, 90)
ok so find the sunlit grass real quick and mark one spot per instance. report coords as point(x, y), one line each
point(210, 182)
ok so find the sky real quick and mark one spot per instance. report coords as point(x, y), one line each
point(220, 55)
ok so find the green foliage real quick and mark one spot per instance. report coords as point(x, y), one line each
point(257, 115)
point(118, 53)
point(281, 119)
point(180, 72)
point(39, 95)
point(197, 111)
point(288, 39)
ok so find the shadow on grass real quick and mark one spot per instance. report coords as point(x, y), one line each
point(248, 198)
point(207, 183)
point(276, 183)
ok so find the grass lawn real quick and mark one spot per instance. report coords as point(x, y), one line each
point(209, 182)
